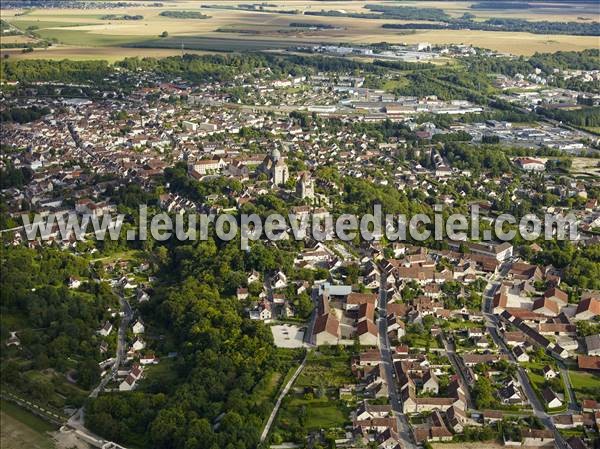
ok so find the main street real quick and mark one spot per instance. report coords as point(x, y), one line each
point(404, 430)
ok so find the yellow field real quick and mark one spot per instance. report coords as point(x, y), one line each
point(79, 29)
point(110, 54)
point(585, 165)
point(17, 40)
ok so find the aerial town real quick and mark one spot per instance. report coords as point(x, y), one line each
point(306, 343)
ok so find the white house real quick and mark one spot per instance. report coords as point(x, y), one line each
point(529, 164)
point(592, 344)
point(549, 373)
point(138, 328)
point(279, 280)
point(74, 282)
point(551, 398)
point(520, 354)
point(128, 384)
point(106, 329)
point(142, 296)
point(138, 345)
point(148, 359)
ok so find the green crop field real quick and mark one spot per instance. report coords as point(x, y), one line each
point(229, 30)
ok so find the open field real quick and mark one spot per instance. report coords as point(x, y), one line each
point(475, 445)
point(585, 384)
point(80, 29)
point(110, 54)
point(314, 403)
point(17, 39)
point(586, 166)
point(20, 429)
point(516, 43)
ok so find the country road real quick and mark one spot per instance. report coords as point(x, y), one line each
point(77, 420)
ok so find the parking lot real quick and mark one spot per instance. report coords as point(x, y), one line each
point(288, 336)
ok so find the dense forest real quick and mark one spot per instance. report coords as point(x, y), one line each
point(581, 265)
point(31, 70)
point(578, 117)
point(23, 115)
point(122, 17)
point(546, 62)
point(212, 398)
point(490, 158)
point(11, 176)
point(184, 15)
point(387, 12)
point(56, 324)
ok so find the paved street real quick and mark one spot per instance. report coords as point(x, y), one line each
point(492, 326)
point(77, 420)
point(404, 429)
point(459, 368)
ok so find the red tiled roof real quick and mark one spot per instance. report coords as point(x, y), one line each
point(588, 362)
point(327, 323)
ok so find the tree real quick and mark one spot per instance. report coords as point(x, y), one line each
point(164, 34)
point(88, 374)
point(483, 394)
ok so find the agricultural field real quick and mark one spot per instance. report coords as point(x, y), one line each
point(19, 429)
point(73, 32)
point(585, 166)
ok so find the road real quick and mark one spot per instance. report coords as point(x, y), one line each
point(492, 326)
point(36, 409)
point(121, 346)
point(77, 420)
point(520, 109)
point(286, 389)
point(404, 430)
point(564, 373)
point(460, 369)
point(308, 335)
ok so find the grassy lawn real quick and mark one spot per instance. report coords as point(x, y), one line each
point(420, 341)
point(133, 256)
point(324, 415)
point(330, 371)
point(88, 38)
point(62, 392)
point(20, 429)
point(459, 324)
point(536, 377)
point(592, 129)
point(315, 405)
point(391, 85)
point(313, 414)
point(268, 388)
point(585, 384)
point(52, 29)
